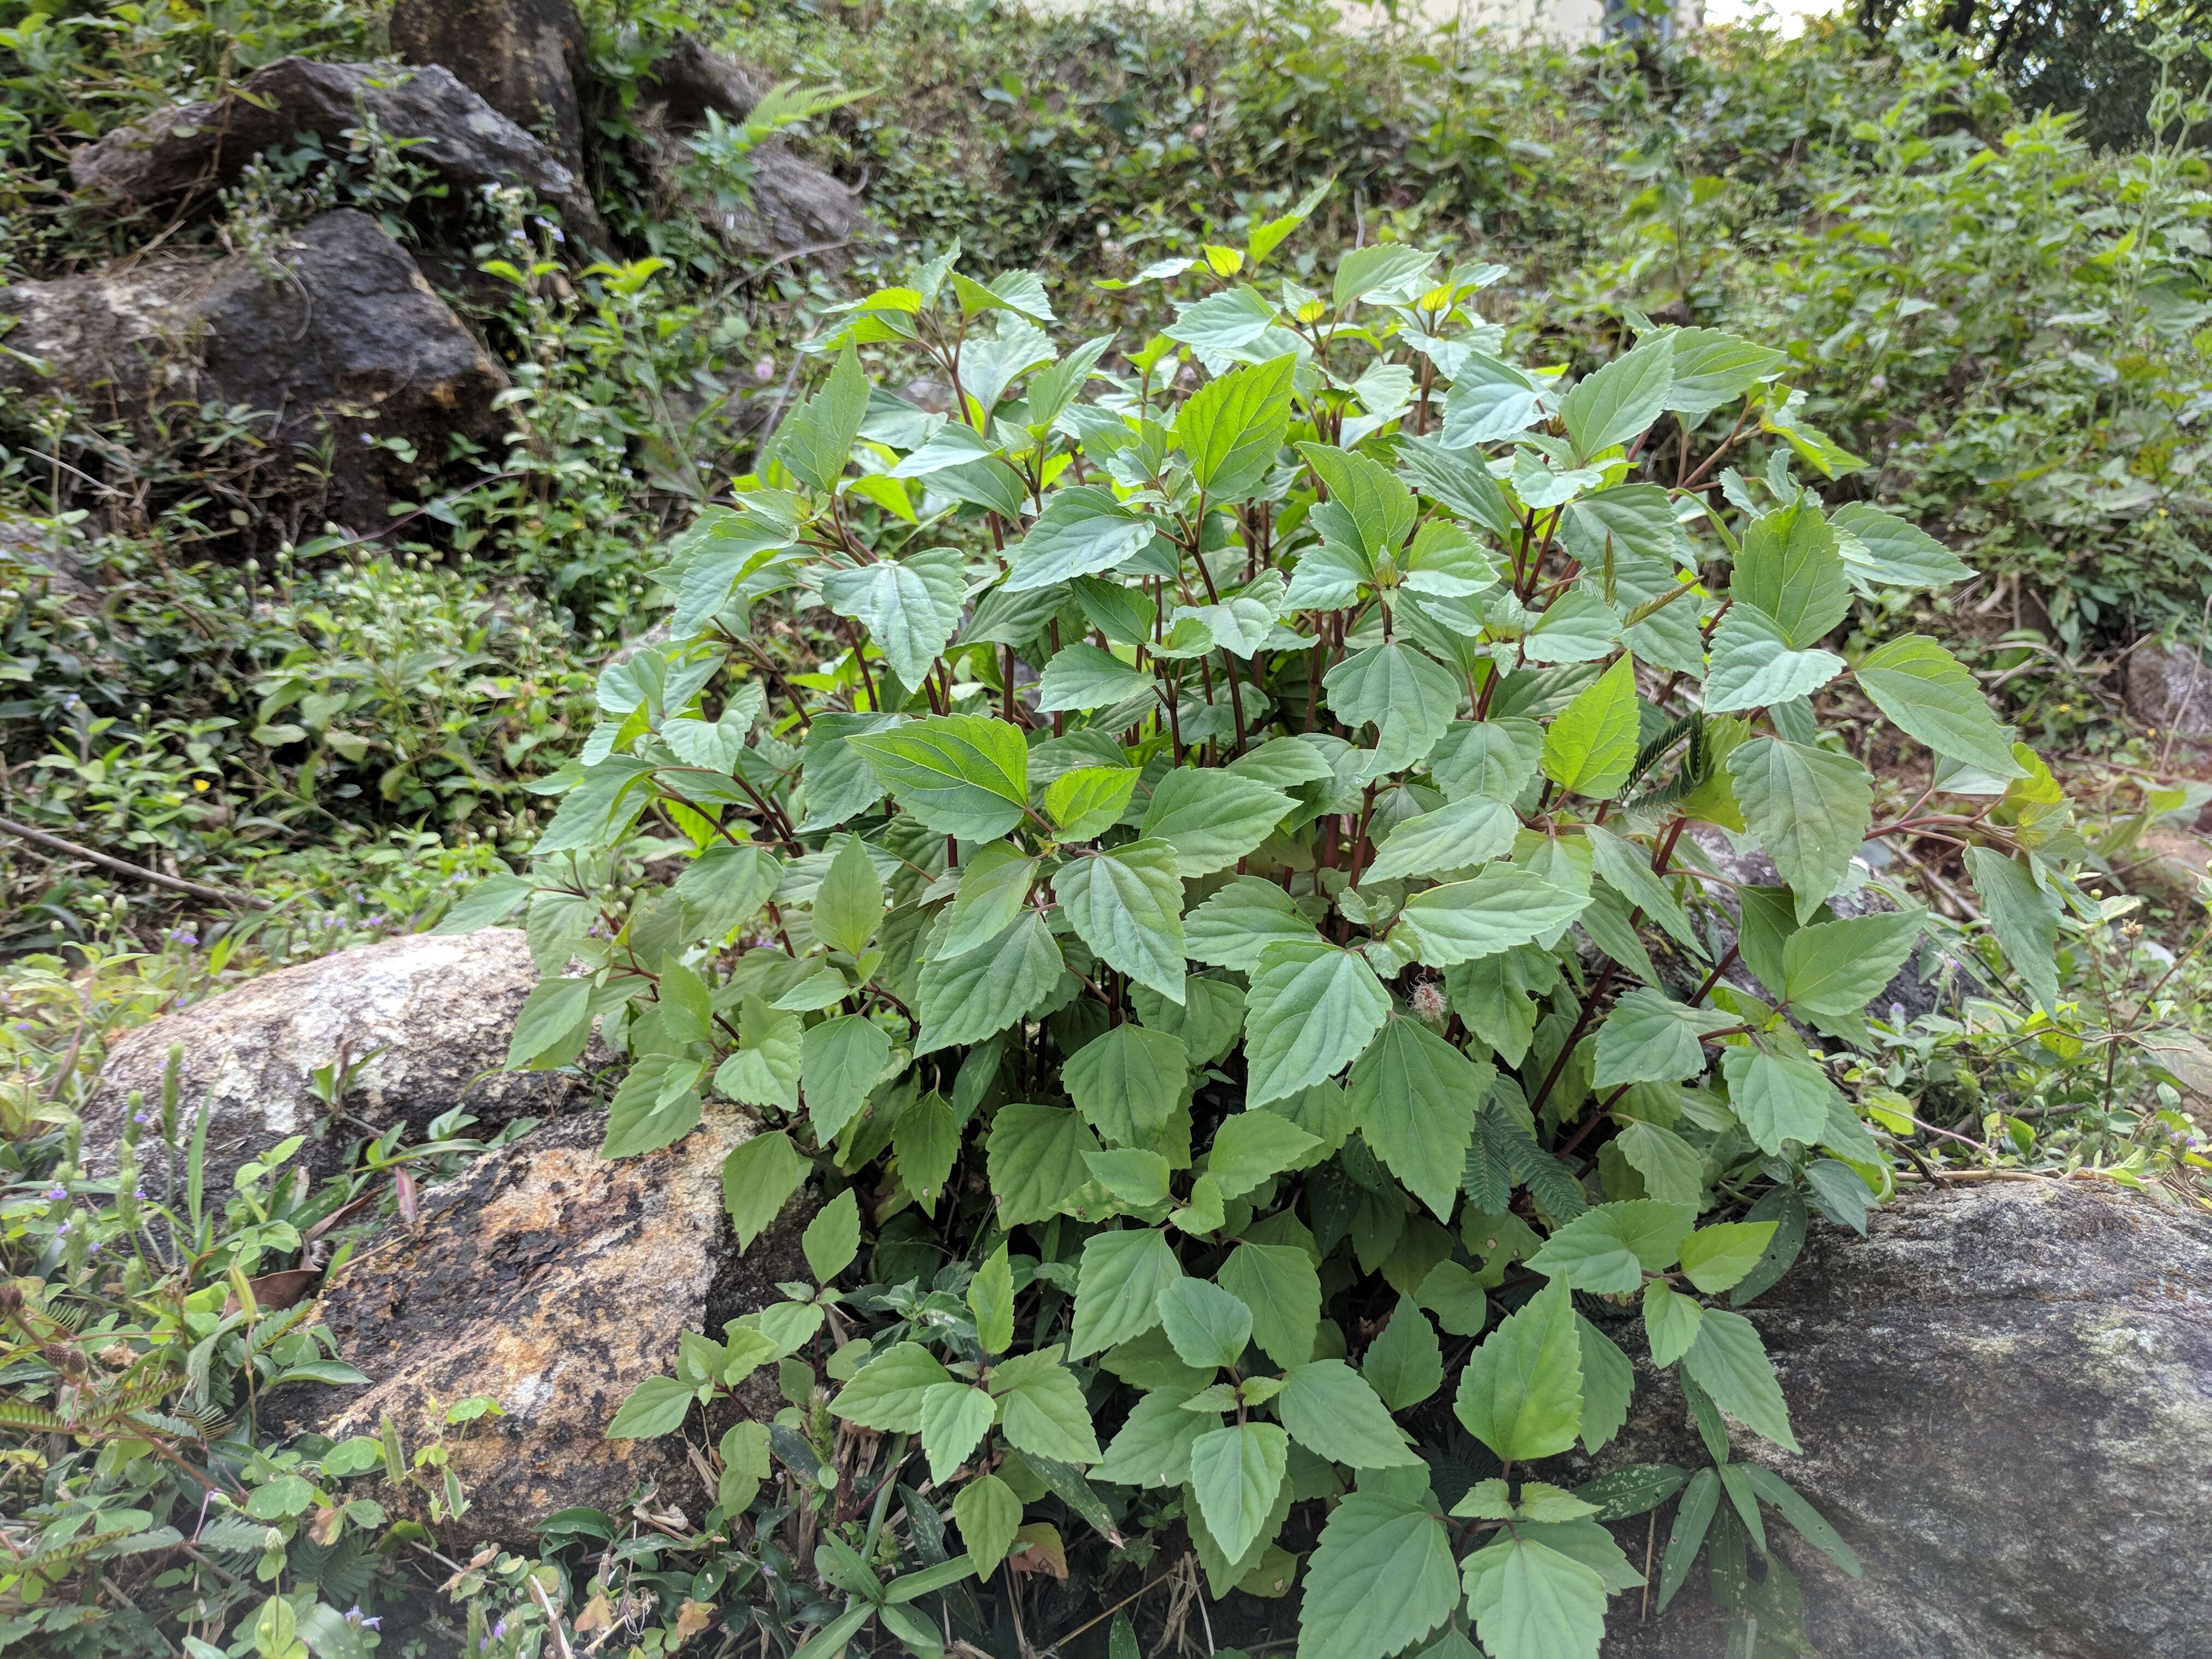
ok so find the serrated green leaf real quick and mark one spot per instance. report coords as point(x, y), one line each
point(1590, 748)
point(1649, 1037)
point(1251, 1147)
point(1279, 1284)
point(656, 1406)
point(991, 1299)
point(988, 1515)
point(966, 998)
point(1082, 531)
point(1810, 809)
point(1127, 1082)
point(1036, 1161)
point(954, 1418)
point(1503, 906)
point(1117, 1288)
point(839, 1061)
point(1779, 1096)
point(1715, 1258)
point(1207, 1326)
point(1232, 927)
point(1407, 695)
point(1729, 1363)
point(888, 1392)
point(552, 1024)
point(1381, 1579)
point(1789, 570)
point(994, 886)
point(1090, 800)
point(1082, 677)
point(1153, 1448)
point(1670, 1321)
point(909, 607)
point(1836, 967)
point(1455, 837)
point(1212, 818)
point(657, 1103)
point(764, 1069)
point(1236, 1472)
point(1928, 694)
point(1673, 1171)
point(1522, 1392)
point(1405, 1364)
point(961, 775)
point(1125, 903)
point(758, 1178)
point(1755, 667)
point(1531, 1602)
point(815, 438)
point(1312, 1010)
point(1608, 1250)
point(1621, 399)
point(1334, 1412)
point(1041, 1409)
point(1413, 1098)
point(2024, 919)
point(1231, 426)
point(832, 1239)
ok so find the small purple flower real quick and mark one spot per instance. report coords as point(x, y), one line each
point(499, 1629)
point(57, 1191)
point(62, 1231)
point(138, 1192)
point(93, 1248)
point(140, 1119)
point(1896, 1013)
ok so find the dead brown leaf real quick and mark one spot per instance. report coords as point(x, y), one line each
point(690, 1618)
point(1038, 1549)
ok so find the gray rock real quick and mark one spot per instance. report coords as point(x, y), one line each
point(525, 57)
point(2170, 687)
point(554, 1281)
point(795, 207)
point(2003, 1394)
point(346, 339)
point(196, 148)
point(432, 1014)
point(688, 80)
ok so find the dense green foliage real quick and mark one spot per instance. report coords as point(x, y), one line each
point(1243, 966)
point(1185, 852)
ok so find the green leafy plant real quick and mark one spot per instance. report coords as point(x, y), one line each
point(1220, 877)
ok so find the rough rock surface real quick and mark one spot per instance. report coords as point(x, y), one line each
point(688, 80)
point(525, 57)
point(2003, 1394)
point(197, 146)
point(2170, 687)
point(555, 1281)
point(437, 1010)
point(349, 340)
point(794, 205)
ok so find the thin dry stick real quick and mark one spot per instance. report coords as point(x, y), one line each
point(552, 1619)
point(176, 884)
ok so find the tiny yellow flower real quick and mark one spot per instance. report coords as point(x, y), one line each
point(200, 784)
